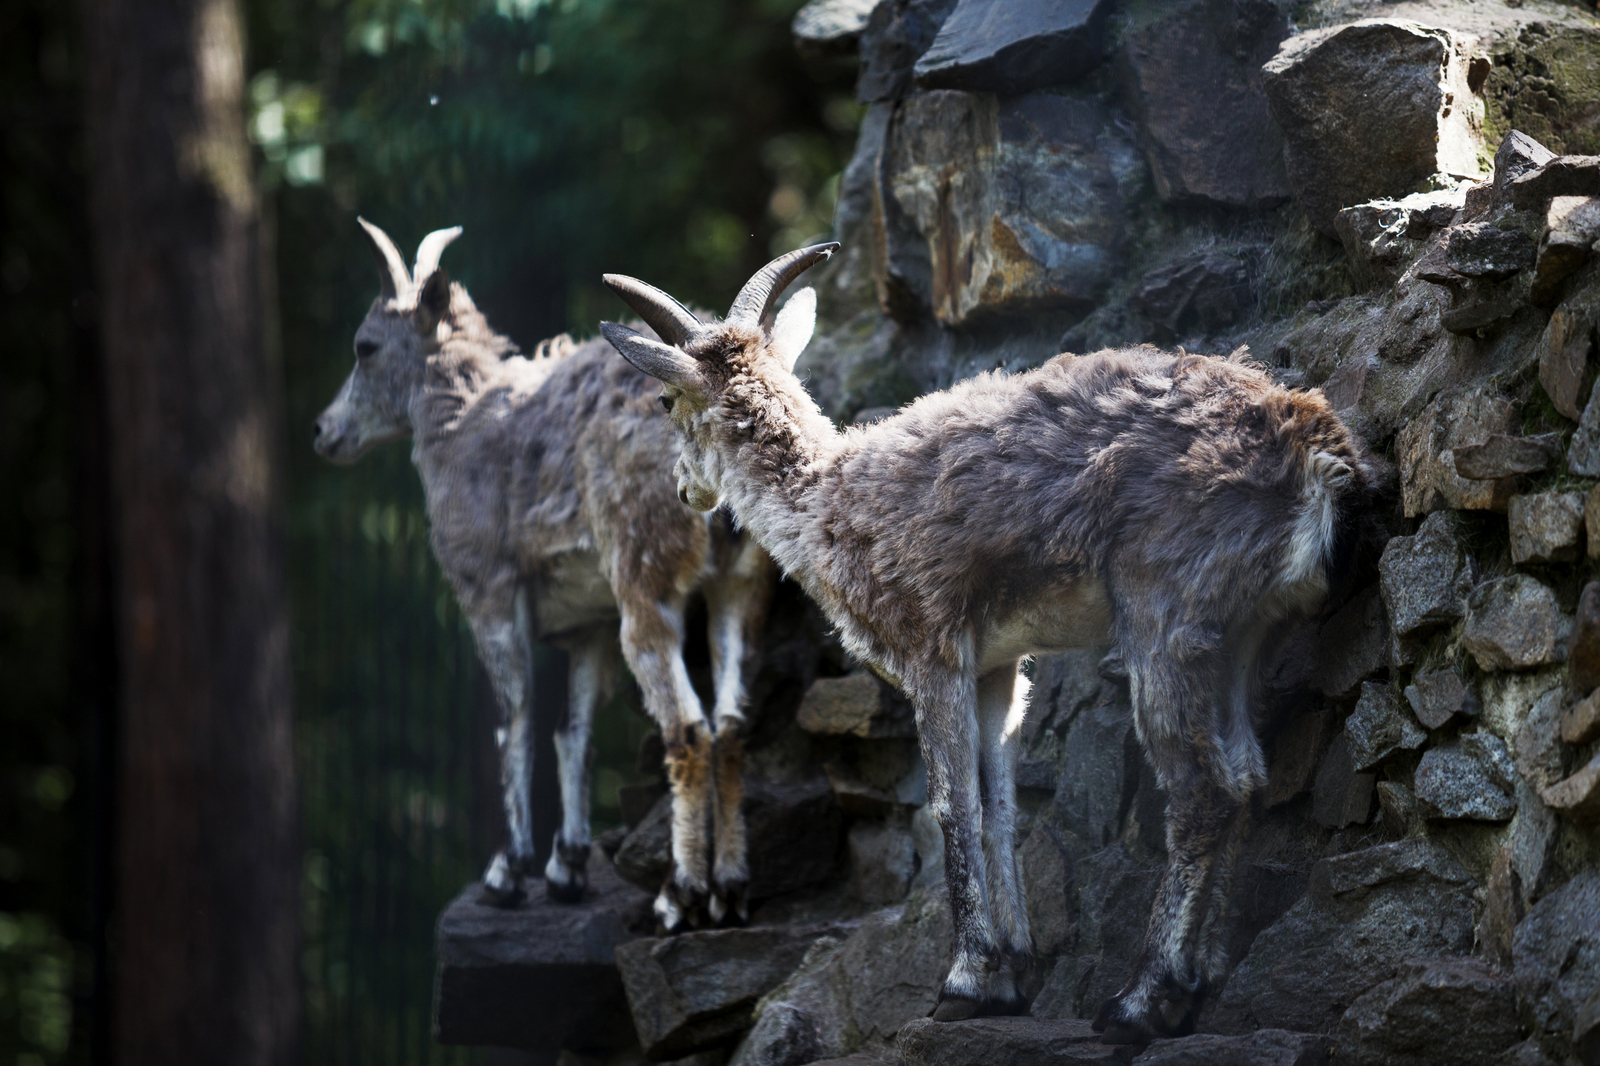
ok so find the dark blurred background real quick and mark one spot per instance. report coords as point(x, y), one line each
point(679, 141)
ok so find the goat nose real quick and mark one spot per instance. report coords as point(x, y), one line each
point(316, 430)
point(683, 495)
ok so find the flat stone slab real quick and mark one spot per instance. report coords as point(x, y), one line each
point(696, 991)
point(540, 976)
point(1004, 1042)
point(1265, 1047)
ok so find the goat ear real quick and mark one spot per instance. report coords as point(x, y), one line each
point(433, 302)
point(794, 326)
point(661, 361)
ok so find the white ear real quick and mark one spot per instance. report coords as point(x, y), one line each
point(661, 361)
point(792, 331)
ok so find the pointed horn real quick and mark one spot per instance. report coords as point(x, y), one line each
point(673, 322)
point(761, 291)
point(429, 251)
point(391, 265)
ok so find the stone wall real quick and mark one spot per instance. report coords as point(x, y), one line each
point(1390, 202)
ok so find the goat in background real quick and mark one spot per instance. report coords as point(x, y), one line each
point(546, 480)
point(1179, 506)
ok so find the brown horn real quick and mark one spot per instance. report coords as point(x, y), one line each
point(761, 291)
point(391, 266)
point(673, 322)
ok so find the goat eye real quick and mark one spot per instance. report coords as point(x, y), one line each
point(666, 403)
point(365, 348)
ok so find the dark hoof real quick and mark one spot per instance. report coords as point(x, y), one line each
point(729, 905)
point(956, 1009)
point(565, 892)
point(505, 899)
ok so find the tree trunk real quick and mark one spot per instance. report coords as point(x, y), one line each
point(206, 921)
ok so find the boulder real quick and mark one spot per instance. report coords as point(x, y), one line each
point(1583, 648)
point(1297, 752)
point(1484, 250)
point(1426, 449)
point(1541, 758)
point(882, 860)
point(697, 990)
point(1378, 728)
point(1545, 527)
point(896, 34)
point(1570, 175)
point(1034, 222)
point(1265, 1047)
point(1437, 696)
point(1513, 623)
point(1004, 1042)
point(1572, 226)
point(1045, 862)
point(1506, 456)
point(1002, 47)
point(1583, 454)
point(1365, 913)
point(1100, 769)
point(856, 705)
point(1381, 237)
point(1556, 961)
point(1364, 115)
point(495, 962)
point(1438, 1012)
point(1193, 79)
point(1202, 293)
point(1564, 350)
point(1472, 778)
point(1518, 154)
point(1425, 578)
point(1342, 796)
point(1581, 722)
point(1578, 797)
point(830, 29)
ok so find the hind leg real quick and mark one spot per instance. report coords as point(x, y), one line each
point(1211, 949)
point(590, 674)
point(1002, 702)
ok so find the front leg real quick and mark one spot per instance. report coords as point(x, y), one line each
point(1002, 703)
point(500, 627)
point(592, 668)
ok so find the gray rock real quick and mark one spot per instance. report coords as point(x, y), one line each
point(1193, 79)
point(1363, 115)
point(1297, 752)
point(1003, 1042)
point(1586, 1032)
point(1583, 454)
point(1472, 779)
point(1002, 47)
point(494, 962)
point(1482, 250)
point(1506, 456)
point(1513, 623)
point(1381, 237)
point(1265, 1047)
point(697, 990)
point(1572, 226)
point(1577, 798)
point(1438, 1012)
point(1366, 912)
point(1527, 1053)
point(1426, 448)
point(1581, 722)
point(883, 859)
point(1541, 757)
point(1378, 728)
point(1571, 175)
point(1398, 812)
point(1517, 155)
point(856, 705)
point(1343, 796)
point(1583, 647)
point(895, 36)
point(1114, 890)
point(1556, 960)
point(1533, 844)
point(786, 1030)
point(1100, 768)
point(1436, 696)
point(1425, 578)
point(1564, 359)
point(828, 29)
point(1545, 527)
point(1202, 292)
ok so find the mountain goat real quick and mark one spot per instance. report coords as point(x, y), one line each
point(1179, 506)
point(546, 480)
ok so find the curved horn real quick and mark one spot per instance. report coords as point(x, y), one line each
point(429, 251)
point(391, 266)
point(673, 322)
point(759, 293)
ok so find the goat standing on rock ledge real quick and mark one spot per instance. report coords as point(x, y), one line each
point(1184, 507)
point(551, 514)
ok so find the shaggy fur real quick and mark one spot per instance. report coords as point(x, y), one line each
point(552, 515)
point(1179, 506)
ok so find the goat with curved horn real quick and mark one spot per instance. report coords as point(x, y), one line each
point(391, 264)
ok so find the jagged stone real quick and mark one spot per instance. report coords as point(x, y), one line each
point(1578, 797)
point(1047, 870)
point(883, 859)
point(828, 29)
point(494, 963)
point(1545, 527)
point(1583, 454)
point(1365, 913)
point(1533, 847)
point(1513, 623)
point(1438, 1012)
point(894, 38)
point(1203, 292)
point(1586, 1032)
point(1540, 755)
point(1568, 175)
point(1482, 250)
point(1100, 766)
point(1581, 723)
point(1035, 222)
point(1572, 225)
point(1003, 1042)
point(1556, 960)
point(1382, 236)
point(1583, 648)
point(1428, 478)
point(1471, 779)
point(1361, 107)
point(697, 990)
point(1265, 1047)
point(793, 828)
point(1296, 755)
point(1378, 728)
point(857, 705)
point(1506, 456)
point(1003, 47)
point(1436, 696)
point(1193, 78)
point(1342, 796)
point(1425, 578)
point(1518, 154)
point(1397, 807)
point(1564, 359)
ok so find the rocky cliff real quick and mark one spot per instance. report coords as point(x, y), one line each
point(1397, 203)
